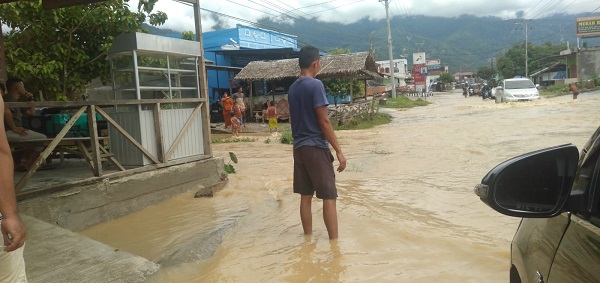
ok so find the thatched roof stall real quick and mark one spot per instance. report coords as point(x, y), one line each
point(359, 66)
point(355, 66)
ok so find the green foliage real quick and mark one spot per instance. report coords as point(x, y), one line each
point(187, 35)
point(232, 140)
point(340, 87)
point(485, 73)
point(286, 138)
point(512, 63)
point(59, 51)
point(555, 90)
point(404, 102)
point(366, 122)
point(446, 78)
point(229, 167)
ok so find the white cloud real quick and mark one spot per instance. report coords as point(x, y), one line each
point(181, 16)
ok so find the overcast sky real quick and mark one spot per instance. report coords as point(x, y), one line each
point(347, 11)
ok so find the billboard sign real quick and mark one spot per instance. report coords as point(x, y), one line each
point(420, 76)
point(434, 62)
point(588, 27)
point(419, 58)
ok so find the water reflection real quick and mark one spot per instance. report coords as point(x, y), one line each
point(311, 265)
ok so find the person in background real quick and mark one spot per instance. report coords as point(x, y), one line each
point(237, 112)
point(235, 126)
point(313, 133)
point(574, 90)
point(13, 122)
point(239, 98)
point(227, 107)
point(272, 117)
point(265, 106)
point(14, 232)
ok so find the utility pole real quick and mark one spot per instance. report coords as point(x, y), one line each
point(391, 54)
point(525, 23)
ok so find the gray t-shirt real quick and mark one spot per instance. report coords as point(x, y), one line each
point(304, 96)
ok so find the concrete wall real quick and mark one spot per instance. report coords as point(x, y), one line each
point(80, 207)
point(589, 60)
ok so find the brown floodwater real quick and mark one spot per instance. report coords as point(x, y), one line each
point(406, 207)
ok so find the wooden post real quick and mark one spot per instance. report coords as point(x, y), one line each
point(250, 92)
point(3, 76)
point(366, 91)
point(95, 145)
point(203, 83)
point(351, 89)
point(160, 149)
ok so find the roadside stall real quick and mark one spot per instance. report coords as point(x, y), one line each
point(282, 73)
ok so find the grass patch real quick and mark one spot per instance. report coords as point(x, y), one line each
point(286, 137)
point(404, 102)
point(555, 90)
point(361, 124)
point(230, 140)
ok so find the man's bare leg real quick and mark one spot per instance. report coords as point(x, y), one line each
point(306, 213)
point(330, 218)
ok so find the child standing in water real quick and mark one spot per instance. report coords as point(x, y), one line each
point(272, 117)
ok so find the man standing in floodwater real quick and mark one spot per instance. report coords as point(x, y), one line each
point(313, 132)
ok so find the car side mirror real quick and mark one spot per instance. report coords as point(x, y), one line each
point(533, 185)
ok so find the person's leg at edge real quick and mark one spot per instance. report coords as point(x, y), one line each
point(330, 218)
point(306, 213)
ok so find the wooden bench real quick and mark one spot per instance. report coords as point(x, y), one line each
point(82, 144)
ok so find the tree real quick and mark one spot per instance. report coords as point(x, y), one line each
point(59, 51)
point(512, 63)
point(446, 78)
point(187, 35)
point(340, 87)
point(485, 73)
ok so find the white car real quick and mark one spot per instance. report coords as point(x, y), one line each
point(517, 89)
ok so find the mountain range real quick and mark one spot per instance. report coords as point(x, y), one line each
point(463, 43)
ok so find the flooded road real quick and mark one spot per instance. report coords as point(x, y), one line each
point(406, 207)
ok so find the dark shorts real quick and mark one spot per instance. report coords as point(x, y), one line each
point(313, 172)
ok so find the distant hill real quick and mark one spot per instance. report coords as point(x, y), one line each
point(464, 43)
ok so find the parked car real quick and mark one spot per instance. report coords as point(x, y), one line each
point(517, 89)
point(556, 191)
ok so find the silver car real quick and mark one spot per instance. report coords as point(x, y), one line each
point(517, 89)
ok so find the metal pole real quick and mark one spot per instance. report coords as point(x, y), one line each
point(526, 56)
point(391, 54)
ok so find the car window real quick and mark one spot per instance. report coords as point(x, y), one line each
point(518, 84)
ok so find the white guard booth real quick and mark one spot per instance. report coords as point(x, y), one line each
point(150, 67)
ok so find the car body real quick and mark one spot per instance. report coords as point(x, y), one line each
point(556, 191)
point(517, 89)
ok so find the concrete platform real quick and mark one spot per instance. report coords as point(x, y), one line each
point(70, 170)
point(53, 254)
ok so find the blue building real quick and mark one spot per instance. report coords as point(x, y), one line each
point(232, 49)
